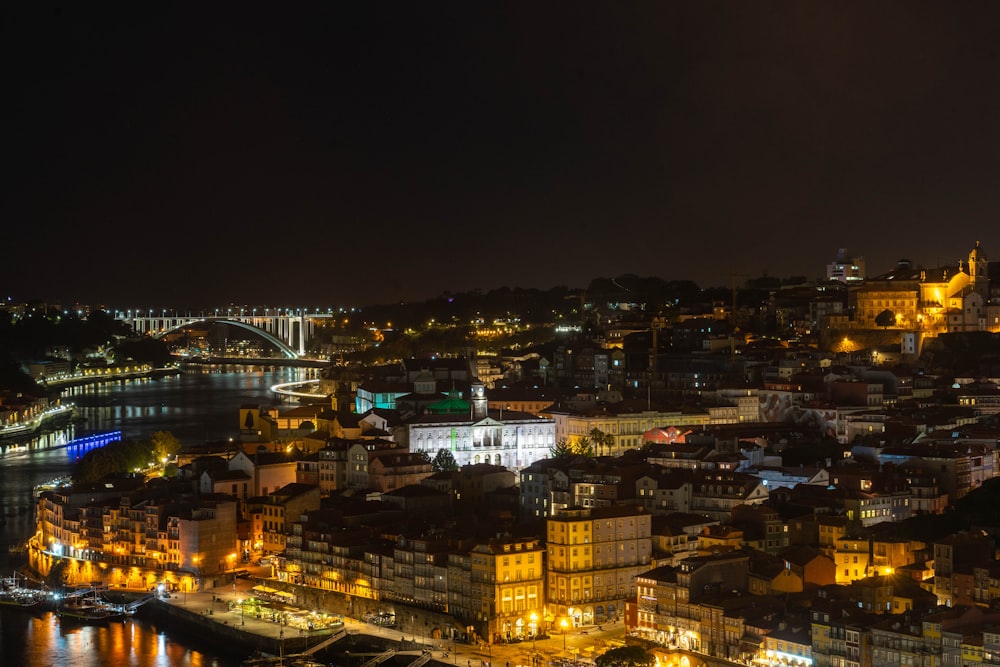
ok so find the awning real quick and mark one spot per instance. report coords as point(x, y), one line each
point(272, 592)
point(265, 589)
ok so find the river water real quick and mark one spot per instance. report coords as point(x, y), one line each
point(197, 406)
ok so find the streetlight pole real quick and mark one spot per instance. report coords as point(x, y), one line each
point(534, 635)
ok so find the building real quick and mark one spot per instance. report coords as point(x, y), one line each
point(508, 588)
point(846, 269)
point(593, 557)
point(626, 423)
point(280, 509)
point(513, 440)
point(930, 301)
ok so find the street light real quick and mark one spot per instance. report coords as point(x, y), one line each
point(242, 610)
point(534, 630)
point(564, 625)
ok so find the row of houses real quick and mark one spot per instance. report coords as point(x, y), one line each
point(708, 604)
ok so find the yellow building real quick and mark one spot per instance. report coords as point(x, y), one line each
point(116, 534)
point(625, 427)
point(508, 585)
point(594, 555)
point(858, 558)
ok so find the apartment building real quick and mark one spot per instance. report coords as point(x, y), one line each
point(508, 587)
point(123, 534)
point(594, 555)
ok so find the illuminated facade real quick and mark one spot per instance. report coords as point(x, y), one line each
point(627, 429)
point(508, 588)
point(931, 301)
point(510, 439)
point(672, 603)
point(123, 536)
point(790, 647)
point(594, 557)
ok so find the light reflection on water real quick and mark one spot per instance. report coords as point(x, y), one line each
point(45, 639)
point(196, 407)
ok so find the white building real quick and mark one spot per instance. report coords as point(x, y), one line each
point(500, 437)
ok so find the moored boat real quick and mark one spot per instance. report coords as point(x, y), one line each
point(90, 608)
point(14, 593)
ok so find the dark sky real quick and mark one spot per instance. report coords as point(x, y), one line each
point(392, 151)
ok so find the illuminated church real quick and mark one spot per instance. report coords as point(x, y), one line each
point(929, 301)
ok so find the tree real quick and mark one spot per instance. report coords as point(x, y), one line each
point(56, 577)
point(885, 319)
point(143, 350)
point(444, 461)
point(562, 449)
point(625, 656)
point(601, 441)
point(584, 447)
point(164, 445)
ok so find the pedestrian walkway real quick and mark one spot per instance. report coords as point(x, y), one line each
point(228, 605)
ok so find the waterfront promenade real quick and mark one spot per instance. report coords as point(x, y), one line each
point(219, 611)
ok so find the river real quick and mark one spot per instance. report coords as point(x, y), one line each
point(196, 406)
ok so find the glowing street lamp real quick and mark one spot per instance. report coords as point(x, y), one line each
point(564, 625)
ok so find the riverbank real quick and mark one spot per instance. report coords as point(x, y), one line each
point(218, 612)
point(105, 375)
point(298, 362)
point(51, 417)
point(211, 614)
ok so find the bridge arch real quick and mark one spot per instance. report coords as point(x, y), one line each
point(277, 342)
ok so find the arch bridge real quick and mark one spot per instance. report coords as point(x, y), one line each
point(290, 332)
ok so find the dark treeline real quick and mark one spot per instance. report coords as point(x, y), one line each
point(38, 332)
point(652, 295)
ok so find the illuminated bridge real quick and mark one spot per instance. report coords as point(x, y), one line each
point(288, 330)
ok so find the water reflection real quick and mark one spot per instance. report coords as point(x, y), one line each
point(196, 407)
point(45, 639)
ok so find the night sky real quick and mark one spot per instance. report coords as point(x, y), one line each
point(394, 151)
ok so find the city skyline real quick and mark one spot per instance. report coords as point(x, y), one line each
point(375, 155)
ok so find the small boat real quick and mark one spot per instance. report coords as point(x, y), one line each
point(90, 609)
point(14, 594)
point(25, 600)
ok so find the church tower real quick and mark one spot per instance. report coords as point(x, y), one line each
point(979, 271)
point(477, 397)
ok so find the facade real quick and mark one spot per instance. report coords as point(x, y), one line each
point(846, 269)
point(930, 301)
point(388, 471)
point(593, 557)
point(627, 427)
point(508, 588)
point(123, 535)
point(669, 600)
point(360, 455)
point(716, 494)
point(513, 440)
point(268, 470)
point(280, 509)
point(544, 488)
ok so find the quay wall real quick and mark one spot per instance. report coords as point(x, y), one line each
point(208, 628)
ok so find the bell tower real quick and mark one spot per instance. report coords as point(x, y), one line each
point(979, 270)
point(477, 397)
